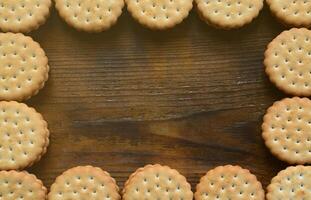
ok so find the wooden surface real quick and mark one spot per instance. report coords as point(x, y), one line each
point(192, 98)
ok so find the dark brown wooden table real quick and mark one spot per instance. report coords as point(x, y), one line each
point(192, 97)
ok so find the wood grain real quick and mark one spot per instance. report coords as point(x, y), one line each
point(191, 97)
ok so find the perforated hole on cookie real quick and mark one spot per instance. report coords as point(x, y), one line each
point(178, 187)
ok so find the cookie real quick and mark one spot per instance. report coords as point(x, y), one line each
point(286, 130)
point(229, 14)
point(287, 61)
point(160, 14)
point(21, 186)
point(23, 16)
point(155, 182)
point(84, 182)
point(294, 13)
point(90, 16)
point(293, 183)
point(229, 182)
point(24, 67)
point(24, 136)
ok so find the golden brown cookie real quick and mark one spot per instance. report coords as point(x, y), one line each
point(155, 182)
point(229, 182)
point(90, 16)
point(84, 183)
point(24, 67)
point(24, 136)
point(287, 130)
point(21, 186)
point(160, 14)
point(295, 13)
point(288, 61)
point(293, 183)
point(23, 16)
point(229, 14)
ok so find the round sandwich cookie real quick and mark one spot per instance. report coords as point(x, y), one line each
point(23, 16)
point(294, 13)
point(229, 14)
point(21, 186)
point(160, 14)
point(286, 130)
point(229, 182)
point(24, 67)
point(288, 61)
point(155, 182)
point(84, 183)
point(293, 183)
point(24, 136)
point(90, 15)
